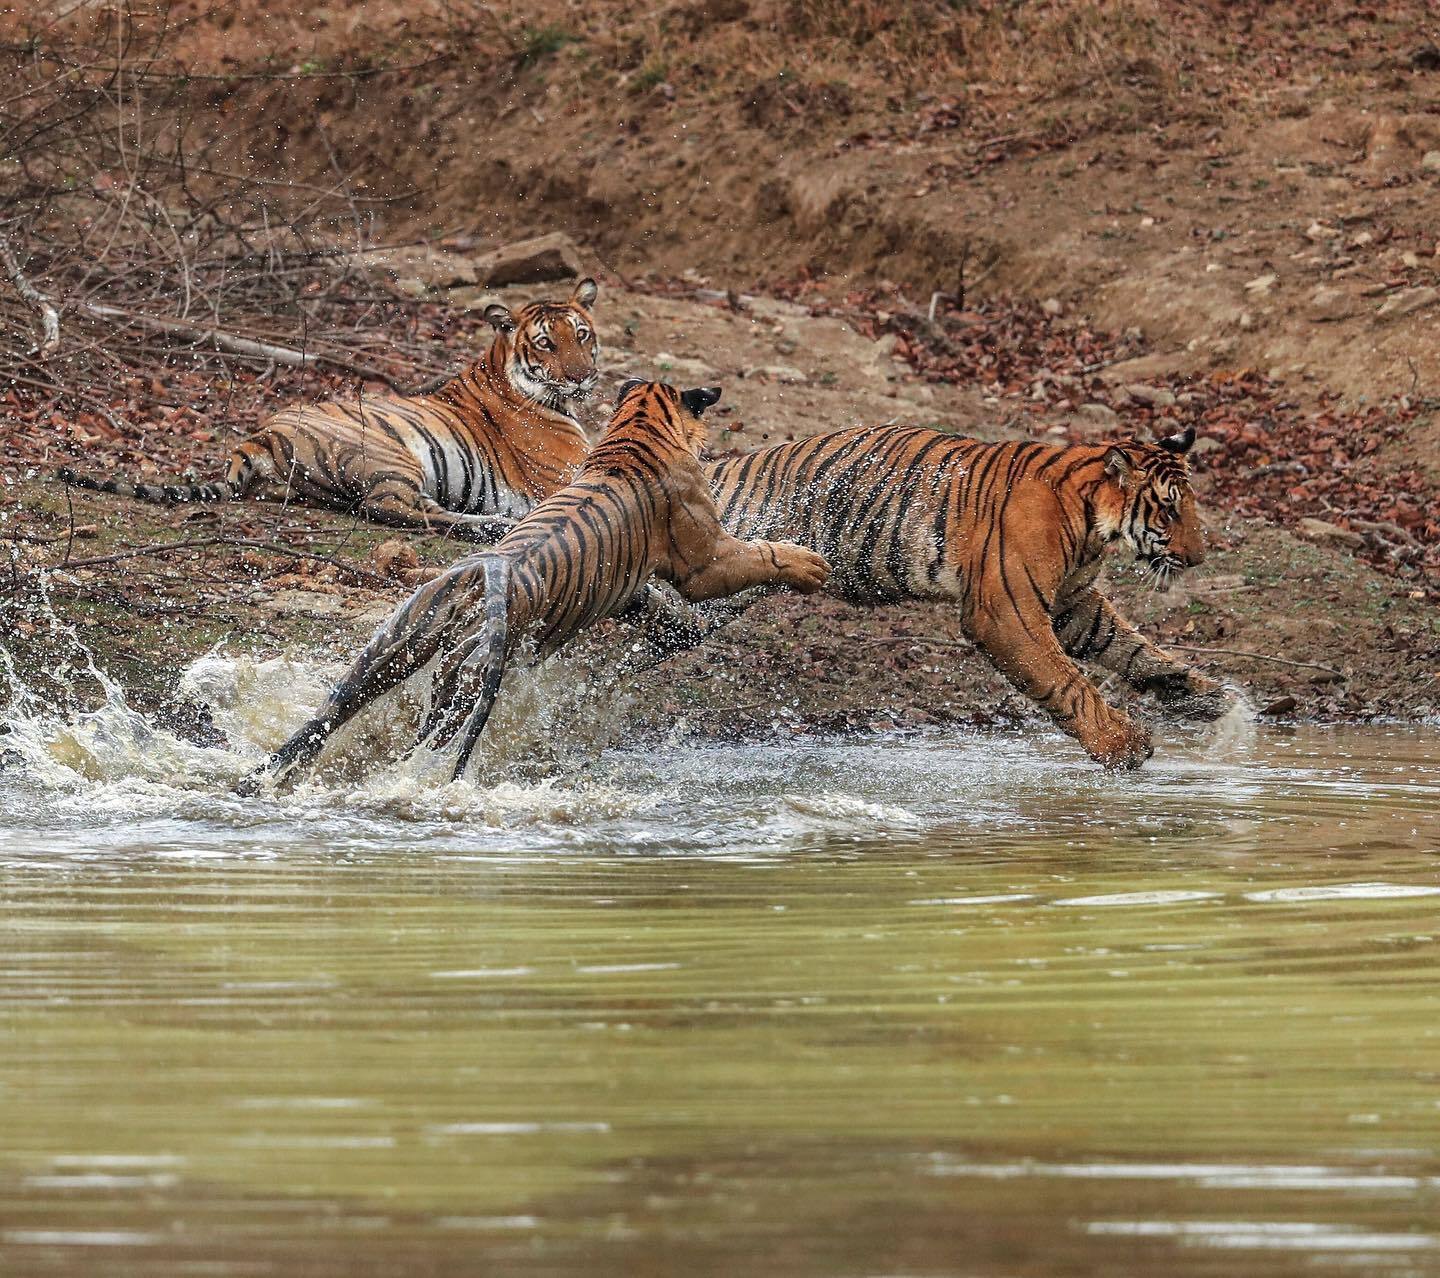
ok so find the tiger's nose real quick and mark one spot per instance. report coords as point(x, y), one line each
point(1192, 549)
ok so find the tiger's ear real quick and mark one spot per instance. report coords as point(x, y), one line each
point(499, 318)
point(1179, 443)
point(584, 294)
point(626, 387)
point(699, 399)
point(1119, 466)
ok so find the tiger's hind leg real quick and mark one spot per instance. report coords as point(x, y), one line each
point(468, 678)
point(1090, 629)
point(412, 637)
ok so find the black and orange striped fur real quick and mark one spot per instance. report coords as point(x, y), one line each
point(466, 460)
point(1013, 532)
point(639, 507)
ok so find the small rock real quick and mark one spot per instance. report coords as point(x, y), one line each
point(1426, 58)
point(1146, 223)
point(883, 348)
point(1323, 530)
point(1407, 301)
point(1247, 321)
point(1361, 240)
point(1101, 415)
point(784, 373)
point(1319, 232)
point(1281, 705)
point(1155, 396)
point(772, 308)
point(1205, 444)
point(1052, 307)
point(1328, 305)
point(1430, 162)
point(393, 557)
point(1409, 260)
point(308, 603)
point(1262, 284)
point(694, 369)
point(417, 269)
point(534, 261)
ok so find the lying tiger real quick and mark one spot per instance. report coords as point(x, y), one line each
point(1015, 533)
point(639, 506)
point(466, 460)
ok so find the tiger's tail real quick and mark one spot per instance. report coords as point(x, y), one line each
point(247, 463)
point(473, 671)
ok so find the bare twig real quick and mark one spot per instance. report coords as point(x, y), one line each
point(915, 639)
point(236, 345)
point(202, 543)
point(1255, 656)
point(49, 316)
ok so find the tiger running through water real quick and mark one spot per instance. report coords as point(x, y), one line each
point(639, 506)
point(466, 460)
point(1014, 533)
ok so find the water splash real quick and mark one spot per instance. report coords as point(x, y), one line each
point(82, 751)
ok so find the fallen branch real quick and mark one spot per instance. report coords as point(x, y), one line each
point(202, 543)
point(237, 345)
point(933, 643)
point(49, 316)
point(1256, 656)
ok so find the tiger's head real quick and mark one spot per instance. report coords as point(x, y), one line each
point(551, 347)
point(680, 410)
point(1153, 506)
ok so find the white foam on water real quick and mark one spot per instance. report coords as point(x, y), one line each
point(482, 974)
point(1000, 898)
point(1138, 898)
point(1277, 1176)
point(516, 1129)
point(545, 777)
point(1265, 1235)
point(83, 1238)
point(1345, 892)
point(829, 810)
point(112, 763)
point(1235, 733)
point(101, 1180)
point(617, 969)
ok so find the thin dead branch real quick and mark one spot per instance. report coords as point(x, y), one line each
point(244, 543)
point(49, 316)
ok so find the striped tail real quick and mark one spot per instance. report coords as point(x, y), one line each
point(241, 476)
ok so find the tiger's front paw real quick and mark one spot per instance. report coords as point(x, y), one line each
point(1120, 744)
point(800, 568)
point(1193, 696)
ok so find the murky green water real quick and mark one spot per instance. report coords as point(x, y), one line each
point(960, 1005)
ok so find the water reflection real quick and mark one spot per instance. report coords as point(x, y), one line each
point(942, 1005)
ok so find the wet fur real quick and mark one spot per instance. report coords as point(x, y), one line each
point(1013, 533)
point(639, 506)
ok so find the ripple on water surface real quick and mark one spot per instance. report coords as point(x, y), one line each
point(954, 1003)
